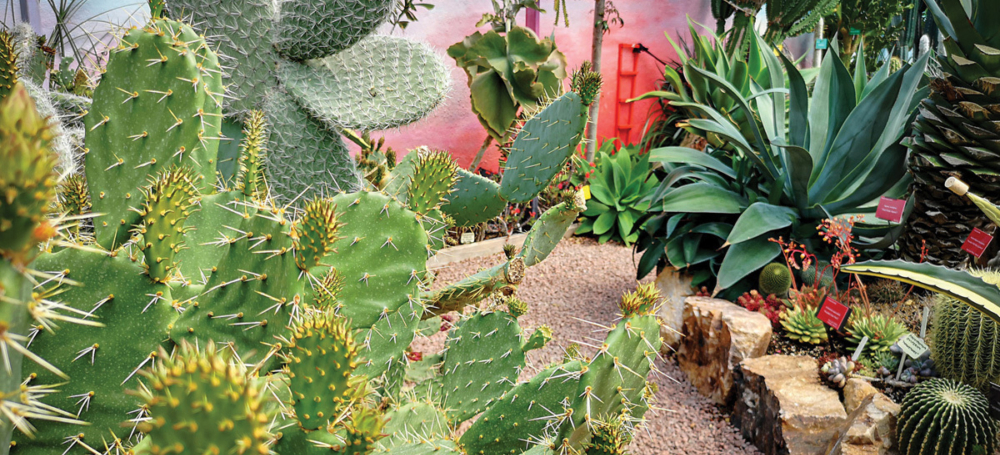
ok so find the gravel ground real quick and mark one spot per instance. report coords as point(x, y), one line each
point(582, 279)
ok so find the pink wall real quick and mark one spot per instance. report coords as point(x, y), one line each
point(454, 127)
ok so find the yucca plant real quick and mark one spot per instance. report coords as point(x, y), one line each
point(619, 189)
point(956, 134)
point(804, 160)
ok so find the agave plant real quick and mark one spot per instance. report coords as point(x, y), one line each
point(619, 189)
point(836, 154)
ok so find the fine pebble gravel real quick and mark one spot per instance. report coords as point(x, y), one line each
point(583, 281)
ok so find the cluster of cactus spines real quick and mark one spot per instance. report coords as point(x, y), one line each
point(314, 233)
point(202, 401)
point(168, 201)
point(8, 64)
point(158, 105)
point(322, 356)
point(965, 344)
point(941, 416)
point(609, 437)
point(432, 180)
point(74, 200)
point(251, 176)
point(586, 82)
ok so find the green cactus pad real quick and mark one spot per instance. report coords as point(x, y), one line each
point(401, 176)
point(542, 148)
point(473, 288)
point(8, 64)
point(412, 423)
point(158, 105)
point(103, 362)
point(314, 233)
point(202, 403)
point(380, 83)
point(251, 177)
point(382, 345)
point(433, 178)
point(252, 294)
point(382, 267)
point(482, 360)
point(428, 447)
point(210, 224)
point(304, 155)
point(312, 29)
point(608, 438)
point(548, 230)
point(615, 380)
point(537, 405)
point(363, 431)
point(538, 339)
point(167, 203)
point(241, 32)
point(322, 356)
point(475, 199)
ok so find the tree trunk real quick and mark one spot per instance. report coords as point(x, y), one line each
point(595, 59)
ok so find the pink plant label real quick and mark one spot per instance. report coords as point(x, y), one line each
point(833, 313)
point(890, 209)
point(977, 242)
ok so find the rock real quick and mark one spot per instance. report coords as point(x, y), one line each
point(718, 335)
point(855, 392)
point(674, 287)
point(783, 409)
point(870, 429)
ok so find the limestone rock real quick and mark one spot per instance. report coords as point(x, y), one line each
point(674, 287)
point(718, 335)
point(783, 408)
point(870, 428)
point(855, 392)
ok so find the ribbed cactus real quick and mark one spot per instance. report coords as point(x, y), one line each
point(941, 416)
point(775, 279)
point(965, 344)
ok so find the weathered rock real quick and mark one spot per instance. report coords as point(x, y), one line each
point(783, 409)
point(870, 428)
point(718, 335)
point(674, 286)
point(855, 392)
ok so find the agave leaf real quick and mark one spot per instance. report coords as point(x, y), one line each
point(745, 258)
point(958, 284)
point(761, 218)
point(690, 156)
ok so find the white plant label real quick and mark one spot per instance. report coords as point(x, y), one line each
point(860, 349)
point(913, 346)
point(468, 237)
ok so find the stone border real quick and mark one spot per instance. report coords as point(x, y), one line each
point(489, 247)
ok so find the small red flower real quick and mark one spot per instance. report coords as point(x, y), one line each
point(415, 356)
point(516, 211)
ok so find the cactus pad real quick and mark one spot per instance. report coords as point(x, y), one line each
point(314, 233)
point(102, 361)
point(27, 184)
point(202, 402)
point(251, 178)
point(537, 405)
point(304, 155)
point(158, 105)
point(475, 199)
point(322, 357)
point(433, 178)
point(8, 64)
point(168, 201)
point(380, 83)
point(490, 340)
point(412, 423)
point(542, 147)
point(474, 288)
point(316, 28)
point(209, 224)
point(549, 229)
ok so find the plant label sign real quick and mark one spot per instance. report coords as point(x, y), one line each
point(912, 346)
point(833, 313)
point(467, 237)
point(977, 242)
point(890, 209)
point(995, 400)
point(586, 192)
point(822, 43)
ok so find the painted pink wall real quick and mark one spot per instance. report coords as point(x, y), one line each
point(454, 127)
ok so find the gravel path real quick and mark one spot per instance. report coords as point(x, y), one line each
point(582, 279)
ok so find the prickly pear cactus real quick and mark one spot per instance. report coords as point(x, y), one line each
point(8, 64)
point(158, 105)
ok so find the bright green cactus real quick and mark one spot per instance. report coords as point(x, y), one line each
point(8, 64)
point(158, 105)
point(322, 356)
point(941, 416)
point(202, 402)
point(475, 199)
point(965, 343)
point(251, 176)
point(168, 201)
point(775, 279)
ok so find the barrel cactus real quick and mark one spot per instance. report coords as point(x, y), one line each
point(775, 279)
point(964, 343)
point(941, 416)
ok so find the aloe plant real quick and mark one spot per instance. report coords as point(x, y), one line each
point(618, 188)
point(782, 170)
